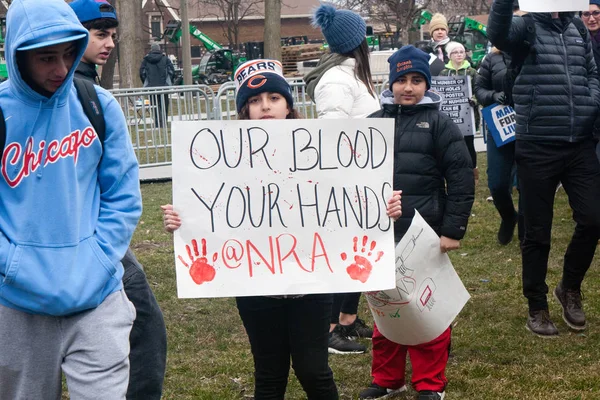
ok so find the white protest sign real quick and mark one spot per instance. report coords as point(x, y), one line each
point(553, 5)
point(283, 207)
point(428, 293)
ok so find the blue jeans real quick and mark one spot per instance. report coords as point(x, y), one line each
point(501, 164)
point(148, 338)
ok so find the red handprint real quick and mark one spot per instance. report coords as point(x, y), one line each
point(361, 269)
point(200, 271)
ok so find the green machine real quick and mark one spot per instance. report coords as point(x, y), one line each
point(217, 65)
point(3, 71)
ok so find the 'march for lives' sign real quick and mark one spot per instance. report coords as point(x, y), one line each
point(283, 207)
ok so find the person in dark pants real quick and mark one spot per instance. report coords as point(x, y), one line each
point(282, 327)
point(591, 19)
point(501, 160)
point(148, 337)
point(157, 70)
point(556, 96)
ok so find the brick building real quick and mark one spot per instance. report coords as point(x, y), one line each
point(295, 21)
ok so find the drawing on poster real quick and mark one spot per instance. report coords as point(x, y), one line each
point(405, 283)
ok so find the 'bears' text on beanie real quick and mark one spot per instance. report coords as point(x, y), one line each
point(344, 30)
point(257, 76)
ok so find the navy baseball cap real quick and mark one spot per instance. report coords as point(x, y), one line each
point(89, 10)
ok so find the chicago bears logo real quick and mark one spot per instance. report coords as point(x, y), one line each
point(257, 81)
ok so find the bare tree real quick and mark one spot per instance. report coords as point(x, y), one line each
point(130, 44)
point(272, 35)
point(395, 15)
point(230, 13)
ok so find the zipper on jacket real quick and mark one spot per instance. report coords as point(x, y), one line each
point(562, 39)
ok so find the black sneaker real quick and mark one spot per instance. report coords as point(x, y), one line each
point(431, 395)
point(340, 344)
point(570, 300)
point(377, 392)
point(507, 230)
point(540, 324)
point(358, 329)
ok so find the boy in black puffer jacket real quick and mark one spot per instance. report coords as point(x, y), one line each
point(432, 167)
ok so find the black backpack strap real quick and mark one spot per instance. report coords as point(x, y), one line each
point(2, 134)
point(583, 31)
point(90, 102)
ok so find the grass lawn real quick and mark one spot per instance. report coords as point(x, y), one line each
point(493, 356)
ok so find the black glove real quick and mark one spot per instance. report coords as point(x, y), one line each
point(499, 97)
point(473, 103)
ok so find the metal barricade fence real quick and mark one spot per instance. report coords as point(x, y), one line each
point(149, 111)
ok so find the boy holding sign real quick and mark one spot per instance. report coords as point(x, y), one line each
point(281, 327)
point(433, 167)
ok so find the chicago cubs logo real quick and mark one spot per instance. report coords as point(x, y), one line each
point(252, 82)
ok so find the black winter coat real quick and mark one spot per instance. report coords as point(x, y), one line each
point(432, 167)
point(557, 93)
point(156, 70)
point(88, 72)
point(490, 77)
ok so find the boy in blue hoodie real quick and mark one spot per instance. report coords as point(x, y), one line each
point(433, 169)
point(148, 338)
point(68, 208)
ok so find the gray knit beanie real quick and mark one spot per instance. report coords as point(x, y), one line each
point(344, 30)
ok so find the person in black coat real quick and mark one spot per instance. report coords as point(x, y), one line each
point(556, 96)
point(489, 90)
point(591, 19)
point(157, 70)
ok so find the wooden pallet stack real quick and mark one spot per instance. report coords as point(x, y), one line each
point(291, 55)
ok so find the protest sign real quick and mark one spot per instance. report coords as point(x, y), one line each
point(501, 121)
point(456, 92)
point(553, 5)
point(283, 207)
point(428, 293)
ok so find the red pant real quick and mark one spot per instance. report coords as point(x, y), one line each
point(428, 362)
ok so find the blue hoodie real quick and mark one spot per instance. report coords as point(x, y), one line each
point(67, 210)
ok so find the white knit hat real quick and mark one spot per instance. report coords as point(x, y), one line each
point(451, 46)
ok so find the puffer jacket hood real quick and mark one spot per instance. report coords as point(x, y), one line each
point(432, 99)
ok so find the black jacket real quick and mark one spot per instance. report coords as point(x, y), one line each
point(557, 92)
point(432, 167)
point(490, 77)
point(88, 72)
point(156, 70)
point(596, 50)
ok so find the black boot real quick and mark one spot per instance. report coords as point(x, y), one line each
point(507, 229)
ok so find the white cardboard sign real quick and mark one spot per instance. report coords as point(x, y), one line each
point(283, 207)
point(553, 5)
point(428, 293)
